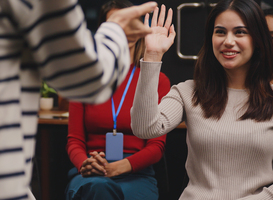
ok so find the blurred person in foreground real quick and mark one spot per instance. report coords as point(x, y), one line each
point(48, 40)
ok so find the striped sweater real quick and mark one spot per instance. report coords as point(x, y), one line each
point(227, 159)
point(48, 39)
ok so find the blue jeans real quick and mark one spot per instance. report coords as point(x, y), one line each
point(137, 186)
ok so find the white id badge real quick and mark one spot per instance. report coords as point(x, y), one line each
point(114, 146)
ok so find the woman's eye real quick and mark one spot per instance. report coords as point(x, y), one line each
point(219, 31)
point(240, 32)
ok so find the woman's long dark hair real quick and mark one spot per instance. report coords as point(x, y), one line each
point(210, 77)
point(119, 4)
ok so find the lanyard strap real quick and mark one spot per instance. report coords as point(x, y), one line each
point(115, 114)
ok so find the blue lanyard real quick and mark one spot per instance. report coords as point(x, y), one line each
point(115, 115)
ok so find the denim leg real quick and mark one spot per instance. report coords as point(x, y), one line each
point(93, 188)
point(139, 186)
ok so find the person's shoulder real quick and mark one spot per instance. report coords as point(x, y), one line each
point(189, 84)
point(185, 87)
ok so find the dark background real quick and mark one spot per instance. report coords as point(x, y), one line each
point(171, 170)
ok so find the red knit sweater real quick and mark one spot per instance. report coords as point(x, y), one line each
point(88, 125)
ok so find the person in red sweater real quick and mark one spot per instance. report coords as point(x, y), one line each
point(131, 177)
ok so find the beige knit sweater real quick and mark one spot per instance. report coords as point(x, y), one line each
point(228, 159)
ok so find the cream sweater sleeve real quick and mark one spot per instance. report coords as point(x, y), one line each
point(150, 120)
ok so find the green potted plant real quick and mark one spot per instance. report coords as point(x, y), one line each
point(46, 100)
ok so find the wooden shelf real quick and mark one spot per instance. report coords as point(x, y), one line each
point(53, 117)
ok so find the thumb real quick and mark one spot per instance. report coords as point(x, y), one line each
point(102, 154)
point(140, 10)
point(172, 33)
point(125, 15)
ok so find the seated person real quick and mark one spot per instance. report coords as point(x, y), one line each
point(131, 177)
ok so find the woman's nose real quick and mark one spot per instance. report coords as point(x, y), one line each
point(229, 40)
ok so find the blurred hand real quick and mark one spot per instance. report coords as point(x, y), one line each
point(162, 37)
point(128, 19)
point(95, 165)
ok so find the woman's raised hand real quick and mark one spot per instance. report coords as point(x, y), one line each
point(162, 36)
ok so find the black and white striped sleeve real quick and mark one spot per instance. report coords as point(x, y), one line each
point(82, 67)
point(59, 49)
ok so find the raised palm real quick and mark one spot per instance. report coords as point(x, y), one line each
point(162, 37)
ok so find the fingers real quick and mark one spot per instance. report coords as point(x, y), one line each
point(91, 172)
point(95, 153)
point(169, 19)
point(146, 20)
point(99, 157)
point(138, 11)
point(162, 15)
point(102, 154)
point(133, 12)
point(93, 169)
point(139, 30)
point(154, 18)
point(159, 21)
point(129, 17)
point(88, 161)
point(94, 165)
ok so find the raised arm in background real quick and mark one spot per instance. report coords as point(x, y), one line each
point(145, 115)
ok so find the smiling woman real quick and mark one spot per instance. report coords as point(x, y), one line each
point(212, 77)
point(227, 108)
point(233, 47)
